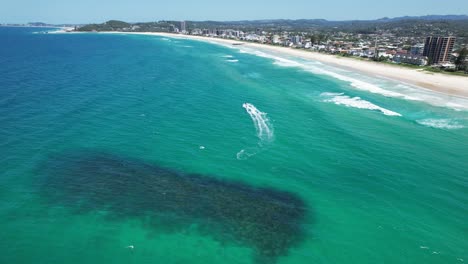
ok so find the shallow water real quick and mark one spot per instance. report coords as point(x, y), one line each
point(269, 159)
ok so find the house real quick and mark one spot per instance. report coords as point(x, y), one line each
point(401, 57)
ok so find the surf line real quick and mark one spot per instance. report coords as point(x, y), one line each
point(264, 130)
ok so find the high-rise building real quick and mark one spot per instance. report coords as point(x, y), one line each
point(183, 27)
point(296, 40)
point(438, 49)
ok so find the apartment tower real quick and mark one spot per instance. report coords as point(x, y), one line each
point(438, 49)
point(183, 27)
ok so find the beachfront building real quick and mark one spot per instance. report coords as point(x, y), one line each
point(276, 39)
point(173, 28)
point(196, 31)
point(406, 58)
point(417, 49)
point(183, 27)
point(252, 37)
point(438, 49)
point(296, 40)
point(209, 32)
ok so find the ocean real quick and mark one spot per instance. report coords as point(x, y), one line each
point(142, 149)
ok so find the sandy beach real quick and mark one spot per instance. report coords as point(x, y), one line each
point(437, 82)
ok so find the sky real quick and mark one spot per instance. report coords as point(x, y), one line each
point(97, 11)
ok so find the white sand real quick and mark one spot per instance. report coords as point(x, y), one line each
point(438, 82)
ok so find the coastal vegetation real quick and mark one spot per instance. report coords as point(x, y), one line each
point(460, 62)
point(355, 39)
point(116, 25)
point(111, 25)
point(404, 26)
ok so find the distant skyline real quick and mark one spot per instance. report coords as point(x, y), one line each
point(92, 11)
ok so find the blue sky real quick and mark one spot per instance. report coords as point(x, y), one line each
point(87, 11)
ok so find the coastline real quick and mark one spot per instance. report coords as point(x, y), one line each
point(456, 86)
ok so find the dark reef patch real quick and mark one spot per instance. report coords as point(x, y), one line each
point(267, 220)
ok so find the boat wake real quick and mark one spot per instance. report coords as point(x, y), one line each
point(264, 130)
point(261, 123)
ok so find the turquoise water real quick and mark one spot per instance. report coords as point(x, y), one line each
point(142, 149)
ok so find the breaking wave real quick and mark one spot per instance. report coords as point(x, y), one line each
point(355, 102)
point(440, 123)
point(382, 86)
point(377, 85)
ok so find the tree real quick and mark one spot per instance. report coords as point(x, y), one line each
point(111, 25)
point(460, 62)
point(313, 39)
point(321, 38)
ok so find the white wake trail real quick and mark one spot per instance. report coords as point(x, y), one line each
point(263, 127)
point(261, 123)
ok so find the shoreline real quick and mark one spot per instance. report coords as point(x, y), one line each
point(456, 86)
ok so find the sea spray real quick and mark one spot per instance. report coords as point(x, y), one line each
point(264, 130)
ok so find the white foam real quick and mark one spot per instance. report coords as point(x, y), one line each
point(232, 60)
point(440, 123)
point(318, 69)
point(254, 75)
point(59, 31)
point(261, 123)
point(244, 154)
point(228, 56)
point(330, 94)
point(264, 130)
point(379, 85)
point(355, 102)
point(286, 63)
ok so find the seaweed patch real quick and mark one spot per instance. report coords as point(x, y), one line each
point(264, 219)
